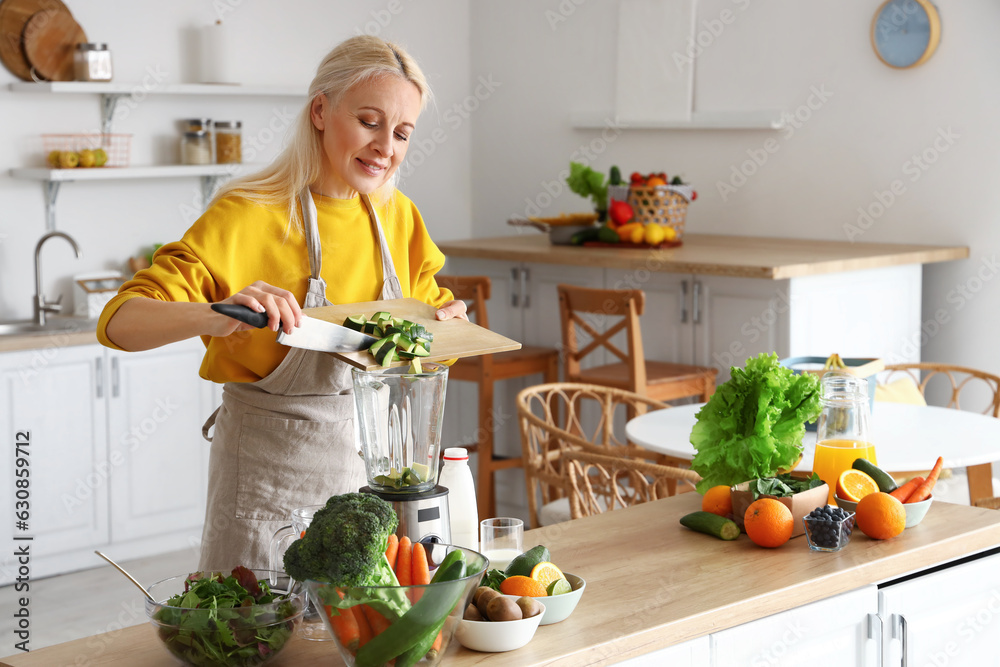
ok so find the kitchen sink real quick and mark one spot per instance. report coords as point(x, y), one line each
point(53, 325)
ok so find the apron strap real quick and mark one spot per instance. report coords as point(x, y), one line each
point(209, 423)
point(391, 289)
point(317, 286)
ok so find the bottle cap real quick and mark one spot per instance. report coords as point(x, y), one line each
point(456, 454)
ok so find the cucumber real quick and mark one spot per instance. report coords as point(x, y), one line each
point(584, 235)
point(355, 322)
point(711, 524)
point(886, 484)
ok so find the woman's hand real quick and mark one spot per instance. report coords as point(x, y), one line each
point(280, 305)
point(451, 310)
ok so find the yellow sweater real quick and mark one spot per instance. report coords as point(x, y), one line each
point(237, 242)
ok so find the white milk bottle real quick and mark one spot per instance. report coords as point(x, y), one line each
point(457, 478)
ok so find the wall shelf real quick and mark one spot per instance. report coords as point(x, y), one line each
point(211, 176)
point(700, 120)
point(111, 88)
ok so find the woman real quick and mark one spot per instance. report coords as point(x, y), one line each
point(323, 224)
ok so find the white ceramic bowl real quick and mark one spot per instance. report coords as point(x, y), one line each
point(559, 607)
point(497, 636)
point(915, 512)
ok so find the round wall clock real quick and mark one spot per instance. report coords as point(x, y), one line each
point(905, 33)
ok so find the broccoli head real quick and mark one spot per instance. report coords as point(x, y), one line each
point(345, 543)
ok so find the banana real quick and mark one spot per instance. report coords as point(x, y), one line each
point(834, 362)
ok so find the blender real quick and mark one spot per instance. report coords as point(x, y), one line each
point(398, 418)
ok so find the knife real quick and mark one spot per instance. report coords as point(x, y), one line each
point(312, 334)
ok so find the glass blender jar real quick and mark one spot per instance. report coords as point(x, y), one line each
point(842, 433)
point(398, 421)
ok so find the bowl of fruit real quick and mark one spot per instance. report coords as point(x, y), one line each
point(532, 574)
point(493, 622)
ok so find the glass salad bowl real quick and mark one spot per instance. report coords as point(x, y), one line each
point(401, 625)
point(226, 630)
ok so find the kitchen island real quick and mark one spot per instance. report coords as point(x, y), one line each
point(657, 589)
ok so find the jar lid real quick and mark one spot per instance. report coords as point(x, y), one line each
point(197, 121)
point(195, 134)
point(456, 454)
point(92, 46)
point(229, 124)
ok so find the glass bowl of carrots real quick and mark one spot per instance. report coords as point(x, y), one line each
point(409, 624)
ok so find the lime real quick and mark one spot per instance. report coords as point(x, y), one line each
point(558, 587)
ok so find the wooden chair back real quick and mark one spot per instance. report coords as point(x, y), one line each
point(563, 416)
point(601, 483)
point(626, 305)
point(474, 290)
point(988, 503)
point(960, 378)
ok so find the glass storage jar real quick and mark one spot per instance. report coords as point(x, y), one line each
point(92, 62)
point(228, 141)
point(196, 148)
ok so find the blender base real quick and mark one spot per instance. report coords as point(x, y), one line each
point(423, 516)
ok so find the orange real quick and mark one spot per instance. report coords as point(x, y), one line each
point(854, 485)
point(880, 516)
point(521, 585)
point(718, 500)
point(545, 573)
point(768, 522)
point(653, 181)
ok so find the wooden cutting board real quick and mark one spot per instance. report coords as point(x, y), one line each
point(14, 15)
point(453, 339)
point(50, 39)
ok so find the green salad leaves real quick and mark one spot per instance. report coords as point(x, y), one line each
point(753, 424)
point(231, 620)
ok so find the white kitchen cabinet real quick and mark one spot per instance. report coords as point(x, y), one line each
point(692, 653)
point(947, 617)
point(54, 395)
point(117, 458)
point(841, 630)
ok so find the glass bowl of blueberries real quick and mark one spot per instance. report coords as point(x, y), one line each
point(828, 528)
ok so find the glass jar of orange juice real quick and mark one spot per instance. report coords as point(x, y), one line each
point(842, 433)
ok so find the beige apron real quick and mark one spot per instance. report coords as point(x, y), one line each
point(287, 440)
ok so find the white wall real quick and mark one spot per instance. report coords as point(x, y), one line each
point(556, 57)
point(278, 43)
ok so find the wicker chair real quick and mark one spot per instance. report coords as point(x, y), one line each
point(562, 416)
point(600, 483)
point(958, 379)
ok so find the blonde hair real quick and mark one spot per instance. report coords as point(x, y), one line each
point(356, 60)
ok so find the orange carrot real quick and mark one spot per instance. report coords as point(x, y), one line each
point(390, 551)
point(364, 628)
point(344, 625)
point(405, 556)
point(923, 492)
point(377, 621)
point(302, 534)
point(436, 646)
point(903, 492)
point(421, 573)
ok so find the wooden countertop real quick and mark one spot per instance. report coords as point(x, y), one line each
point(661, 583)
point(739, 256)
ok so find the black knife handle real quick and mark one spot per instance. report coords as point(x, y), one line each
point(242, 313)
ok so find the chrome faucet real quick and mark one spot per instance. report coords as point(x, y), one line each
point(42, 305)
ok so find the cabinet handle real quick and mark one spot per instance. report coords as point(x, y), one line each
point(514, 280)
point(99, 377)
point(875, 634)
point(114, 377)
point(900, 633)
point(684, 302)
point(525, 297)
point(696, 302)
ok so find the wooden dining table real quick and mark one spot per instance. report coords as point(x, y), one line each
point(907, 438)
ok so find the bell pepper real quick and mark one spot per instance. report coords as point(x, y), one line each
point(620, 212)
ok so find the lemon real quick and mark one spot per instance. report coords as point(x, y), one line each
point(654, 234)
point(669, 233)
point(558, 587)
point(638, 234)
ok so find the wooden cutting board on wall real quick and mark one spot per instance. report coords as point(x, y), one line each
point(453, 339)
point(50, 39)
point(14, 15)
